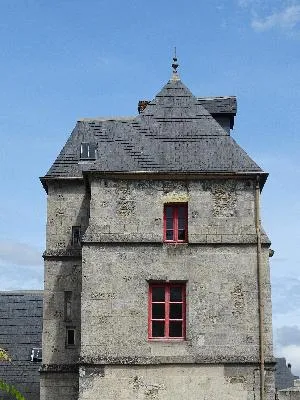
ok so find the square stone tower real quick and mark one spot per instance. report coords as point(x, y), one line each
point(156, 265)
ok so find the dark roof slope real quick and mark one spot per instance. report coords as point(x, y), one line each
point(175, 133)
point(219, 105)
point(284, 377)
point(20, 331)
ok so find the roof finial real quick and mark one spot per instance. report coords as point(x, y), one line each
point(175, 65)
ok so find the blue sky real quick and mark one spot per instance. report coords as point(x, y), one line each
point(63, 60)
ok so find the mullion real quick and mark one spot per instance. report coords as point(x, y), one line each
point(175, 223)
point(167, 311)
point(173, 218)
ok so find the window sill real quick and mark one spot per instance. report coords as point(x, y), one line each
point(70, 346)
point(174, 243)
point(166, 340)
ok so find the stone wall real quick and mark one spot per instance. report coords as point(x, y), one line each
point(68, 205)
point(165, 382)
point(132, 211)
point(222, 309)
point(122, 251)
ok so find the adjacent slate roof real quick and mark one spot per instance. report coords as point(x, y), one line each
point(21, 319)
point(284, 377)
point(175, 133)
point(219, 105)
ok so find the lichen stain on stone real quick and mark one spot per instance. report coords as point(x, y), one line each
point(151, 391)
point(87, 377)
point(176, 198)
point(236, 379)
point(224, 202)
point(238, 299)
point(125, 208)
point(125, 202)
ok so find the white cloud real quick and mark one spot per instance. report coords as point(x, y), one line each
point(21, 278)
point(286, 19)
point(21, 266)
point(288, 335)
point(15, 253)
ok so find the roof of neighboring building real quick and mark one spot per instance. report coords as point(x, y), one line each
point(20, 331)
point(284, 378)
point(176, 132)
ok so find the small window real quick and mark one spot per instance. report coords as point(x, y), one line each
point(76, 235)
point(166, 311)
point(176, 223)
point(88, 151)
point(70, 337)
point(36, 354)
point(68, 305)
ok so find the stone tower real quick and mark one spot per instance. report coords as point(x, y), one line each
point(156, 266)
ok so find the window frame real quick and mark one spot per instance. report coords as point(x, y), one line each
point(90, 149)
point(69, 329)
point(76, 236)
point(167, 286)
point(175, 207)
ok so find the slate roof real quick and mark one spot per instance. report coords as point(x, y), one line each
point(284, 377)
point(176, 132)
point(21, 319)
point(219, 105)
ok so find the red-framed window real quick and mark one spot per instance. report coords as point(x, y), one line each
point(167, 311)
point(176, 223)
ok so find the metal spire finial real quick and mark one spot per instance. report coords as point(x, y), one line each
point(175, 65)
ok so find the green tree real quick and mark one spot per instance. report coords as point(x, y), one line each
point(5, 387)
point(4, 355)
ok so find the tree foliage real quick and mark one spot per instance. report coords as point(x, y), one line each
point(4, 355)
point(6, 387)
point(10, 389)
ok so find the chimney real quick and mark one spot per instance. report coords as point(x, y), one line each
point(142, 105)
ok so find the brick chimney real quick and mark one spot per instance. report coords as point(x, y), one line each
point(142, 105)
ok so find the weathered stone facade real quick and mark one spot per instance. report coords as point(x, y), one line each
point(121, 218)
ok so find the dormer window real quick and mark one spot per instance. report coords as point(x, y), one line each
point(88, 151)
point(36, 354)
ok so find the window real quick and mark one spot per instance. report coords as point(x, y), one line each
point(68, 305)
point(70, 337)
point(88, 151)
point(166, 311)
point(175, 222)
point(76, 235)
point(36, 354)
